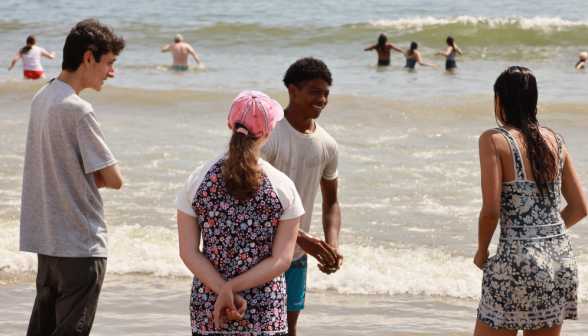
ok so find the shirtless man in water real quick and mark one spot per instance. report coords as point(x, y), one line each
point(180, 50)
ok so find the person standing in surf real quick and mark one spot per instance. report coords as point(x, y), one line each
point(450, 53)
point(383, 48)
point(31, 59)
point(247, 214)
point(307, 154)
point(413, 56)
point(181, 52)
point(582, 62)
point(531, 283)
point(66, 162)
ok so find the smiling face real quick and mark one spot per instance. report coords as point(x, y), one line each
point(98, 72)
point(312, 98)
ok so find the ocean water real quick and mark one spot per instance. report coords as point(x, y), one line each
point(409, 171)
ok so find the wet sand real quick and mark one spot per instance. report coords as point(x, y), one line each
point(147, 305)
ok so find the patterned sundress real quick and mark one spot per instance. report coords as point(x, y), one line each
point(531, 282)
point(237, 236)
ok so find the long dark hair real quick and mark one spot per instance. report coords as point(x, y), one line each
point(31, 40)
point(451, 42)
point(382, 42)
point(413, 47)
point(240, 171)
point(517, 89)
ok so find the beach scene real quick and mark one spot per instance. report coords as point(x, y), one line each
point(409, 170)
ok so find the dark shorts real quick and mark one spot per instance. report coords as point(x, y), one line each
point(384, 62)
point(180, 67)
point(67, 295)
point(296, 284)
point(450, 65)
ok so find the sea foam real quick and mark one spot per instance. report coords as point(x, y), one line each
point(538, 22)
point(422, 270)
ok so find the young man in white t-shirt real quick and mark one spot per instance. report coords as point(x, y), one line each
point(66, 162)
point(307, 154)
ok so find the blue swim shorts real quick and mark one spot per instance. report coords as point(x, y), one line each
point(180, 67)
point(296, 284)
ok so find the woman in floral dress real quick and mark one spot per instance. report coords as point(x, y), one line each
point(531, 283)
point(247, 214)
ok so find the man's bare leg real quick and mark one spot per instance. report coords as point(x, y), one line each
point(292, 320)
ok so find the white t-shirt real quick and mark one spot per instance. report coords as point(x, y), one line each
point(32, 59)
point(306, 159)
point(282, 185)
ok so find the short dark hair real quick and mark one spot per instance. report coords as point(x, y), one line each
point(305, 69)
point(89, 35)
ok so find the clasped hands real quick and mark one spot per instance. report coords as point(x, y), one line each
point(330, 258)
point(228, 306)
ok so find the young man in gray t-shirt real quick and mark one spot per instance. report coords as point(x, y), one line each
point(66, 162)
point(308, 155)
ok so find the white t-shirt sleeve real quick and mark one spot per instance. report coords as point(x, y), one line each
point(286, 191)
point(183, 201)
point(330, 172)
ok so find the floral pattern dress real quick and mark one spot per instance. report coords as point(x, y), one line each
point(532, 280)
point(237, 236)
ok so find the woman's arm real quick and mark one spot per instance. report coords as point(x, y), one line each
point(197, 263)
point(49, 55)
point(446, 53)
point(491, 168)
point(571, 190)
point(16, 58)
point(392, 46)
point(370, 48)
point(580, 65)
point(268, 269)
point(418, 55)
point(458, 50)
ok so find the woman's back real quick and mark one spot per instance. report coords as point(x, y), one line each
point(506, 157)
point(32, 59)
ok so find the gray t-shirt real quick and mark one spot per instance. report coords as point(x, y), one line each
point(61, 209)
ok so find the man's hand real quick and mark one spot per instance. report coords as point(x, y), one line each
point(320, 250)
point(481, 258)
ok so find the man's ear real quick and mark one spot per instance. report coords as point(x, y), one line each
point(293, 91)
point(88, 58)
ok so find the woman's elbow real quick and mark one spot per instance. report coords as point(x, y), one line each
point(284, 264)
point(490, 214)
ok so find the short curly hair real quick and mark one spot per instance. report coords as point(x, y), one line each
point(91, 35)
point(305, 69)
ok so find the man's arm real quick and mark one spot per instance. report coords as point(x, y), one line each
point(109, 177)
point(193, 53)
point(326, 252)
point(332, 216)
point(166, 48)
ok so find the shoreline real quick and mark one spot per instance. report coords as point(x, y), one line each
point(122, 310)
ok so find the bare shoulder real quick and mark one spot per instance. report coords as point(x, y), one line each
point(494, 140)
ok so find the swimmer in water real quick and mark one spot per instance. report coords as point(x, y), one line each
point(383, 48)
point(413, 56)
point(450, 53)
point(582, 63)
point(181, 51)
point(31, 59)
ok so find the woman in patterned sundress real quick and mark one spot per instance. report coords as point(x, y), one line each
point(247, 214)
point(531, 282)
